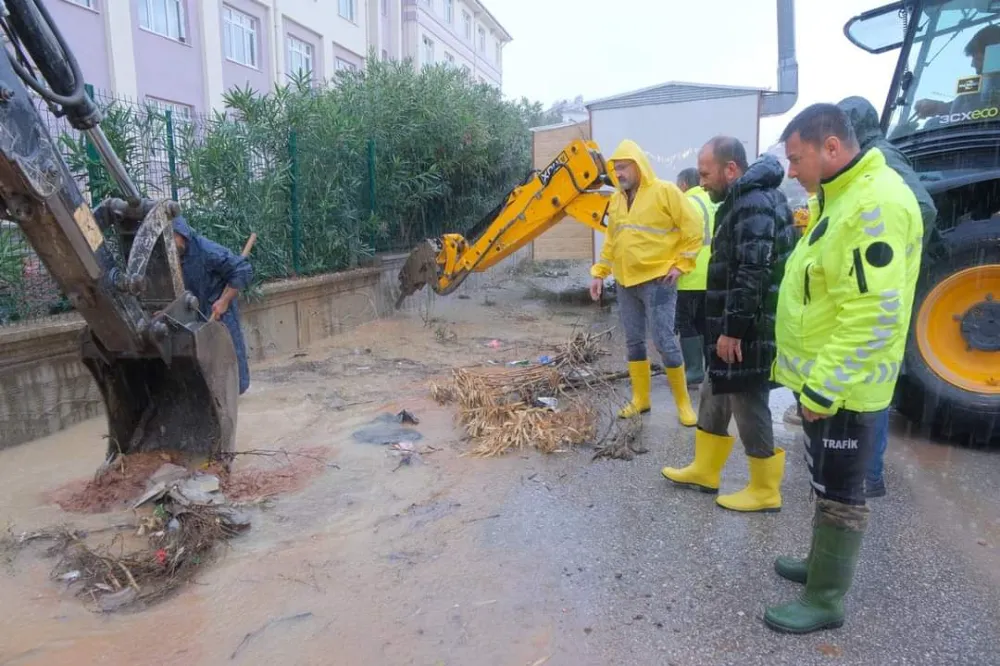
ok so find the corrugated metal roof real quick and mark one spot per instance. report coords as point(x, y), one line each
point(565, 123)
point(671, 92)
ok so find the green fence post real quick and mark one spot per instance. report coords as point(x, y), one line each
point(371, 176)
point(171, 154)
point(293, 156)
point(93, 162)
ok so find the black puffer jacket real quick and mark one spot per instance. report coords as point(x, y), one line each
point(754, 235)
point(864, 119)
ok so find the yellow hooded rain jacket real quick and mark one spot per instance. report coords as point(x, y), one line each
point(661, 230)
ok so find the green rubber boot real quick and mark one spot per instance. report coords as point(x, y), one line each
point(830, 573)
point(693, 351)
point(796, 569)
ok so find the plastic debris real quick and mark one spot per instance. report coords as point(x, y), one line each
point(407, 417)
point(545, 360)
point(493, 344)
point(551, 403)
point(521, 363)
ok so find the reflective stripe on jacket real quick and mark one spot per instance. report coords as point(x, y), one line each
point(660, 231)
point(697, 279)
point(845, 301)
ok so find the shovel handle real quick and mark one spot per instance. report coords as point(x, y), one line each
point(246, 253)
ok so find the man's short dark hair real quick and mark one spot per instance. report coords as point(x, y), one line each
point(988, 36)
point(726, 149)
point(688, 178)
point(816, 123)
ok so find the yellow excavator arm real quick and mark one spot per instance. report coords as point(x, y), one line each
point(573, 184)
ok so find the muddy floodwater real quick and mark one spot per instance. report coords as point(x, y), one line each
point(521, 560)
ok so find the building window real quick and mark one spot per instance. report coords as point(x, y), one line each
point(428, 51)
point(449, 11)
point(467, 24)
point(300, 57)
point(164, 17)
point(450, 59)
point(89, 4)
point(180, 116)
point(385, 54)
point(385, 7)
point(341, 64)
point(347, 9)
point(240, 36)
point(499, 49)
point(465, 68)
point(482, 40)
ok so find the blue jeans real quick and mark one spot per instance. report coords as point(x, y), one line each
point(881, 443)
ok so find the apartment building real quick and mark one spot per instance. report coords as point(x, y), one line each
point(459, 33)
point(184, 54)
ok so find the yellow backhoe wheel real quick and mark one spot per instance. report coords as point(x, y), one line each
point(951, 379)
point(958, 329)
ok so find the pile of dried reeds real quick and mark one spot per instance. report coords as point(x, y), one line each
point(504, 409)
point(179, 540)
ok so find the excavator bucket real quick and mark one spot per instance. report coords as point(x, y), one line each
point(419, 270)
point(187, 405)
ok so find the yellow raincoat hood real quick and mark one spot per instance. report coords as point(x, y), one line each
point(659, 231)
point(630, 150)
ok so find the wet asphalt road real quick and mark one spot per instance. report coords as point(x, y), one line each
point(653, 574)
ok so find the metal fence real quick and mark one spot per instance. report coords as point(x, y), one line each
point(155, 142)
point(322, 179)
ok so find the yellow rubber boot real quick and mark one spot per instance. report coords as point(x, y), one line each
point(641, 375)
point(710, 455)
point(678, 385)
point(763, 493)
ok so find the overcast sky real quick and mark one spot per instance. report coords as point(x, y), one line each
point(565, 48)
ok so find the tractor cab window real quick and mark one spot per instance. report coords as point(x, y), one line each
point(952, 74)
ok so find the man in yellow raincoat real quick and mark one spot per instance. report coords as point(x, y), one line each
point(653, 238)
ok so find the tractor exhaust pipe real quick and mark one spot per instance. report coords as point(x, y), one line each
point(784, 98)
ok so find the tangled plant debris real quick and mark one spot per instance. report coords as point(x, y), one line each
point(561, 403)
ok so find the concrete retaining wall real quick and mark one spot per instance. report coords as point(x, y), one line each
point(45, 387)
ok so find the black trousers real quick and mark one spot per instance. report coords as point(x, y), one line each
point(690, 319)
point(839, 450)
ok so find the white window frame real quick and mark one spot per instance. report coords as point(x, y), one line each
point(305, 51)
point(482, 39)
point(239, 27)
point(341, 64)
point(179, 114)
point(348, 6)
point(428, 45)
point(467, 26)
point(88, 4)
point(173, 15)
point(449, 11)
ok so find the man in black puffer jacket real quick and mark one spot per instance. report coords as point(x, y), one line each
point(754, 234)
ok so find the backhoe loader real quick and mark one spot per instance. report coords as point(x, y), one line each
point(167, 374)
point(941, 111)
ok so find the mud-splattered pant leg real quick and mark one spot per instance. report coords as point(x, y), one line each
point(655, 304)
point(839, 451)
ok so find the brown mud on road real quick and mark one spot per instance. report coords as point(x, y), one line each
point(356, 559)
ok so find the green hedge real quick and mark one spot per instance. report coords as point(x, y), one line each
point(326, 176)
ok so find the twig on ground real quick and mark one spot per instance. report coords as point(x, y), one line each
point(257, 632)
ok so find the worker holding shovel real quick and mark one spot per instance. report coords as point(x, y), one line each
point(216, 275)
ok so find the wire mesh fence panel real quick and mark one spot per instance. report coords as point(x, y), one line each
point(325, 175)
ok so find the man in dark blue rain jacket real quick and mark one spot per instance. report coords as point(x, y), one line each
point(216, 275)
